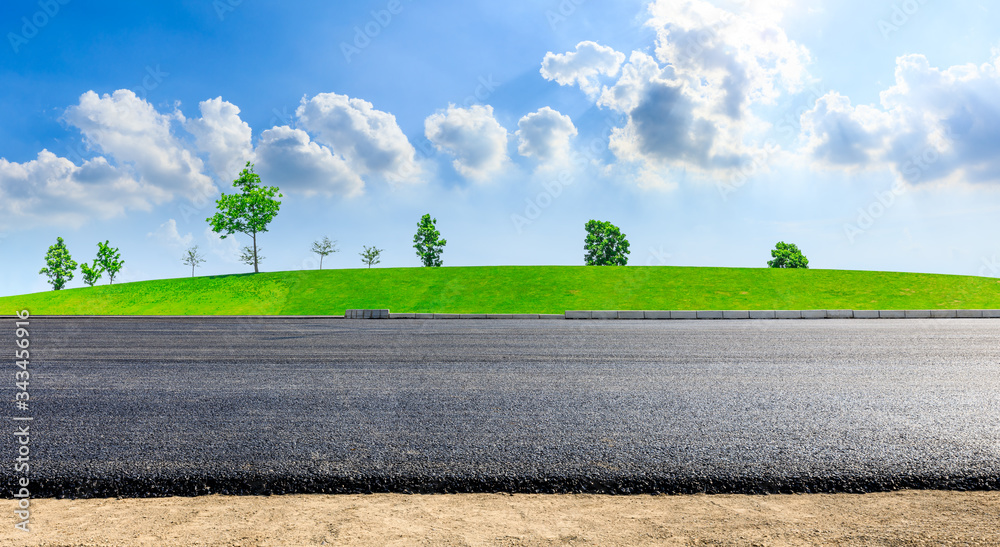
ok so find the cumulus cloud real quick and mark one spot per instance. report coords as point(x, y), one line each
point(473, 136)
point(369, 140)
point(933, 124)
point(582, 67)
point(545, 135)
point(288, 158)
point(168, 235)
point(688, 104)
point(221, 134)
point(131, 131)
point(728, 59)
point(840, 135)
point(51, 190)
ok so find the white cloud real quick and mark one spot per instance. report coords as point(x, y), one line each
point(688, 105)
point(668, 123)
point(473, 136)
point(545, 135)
point(932, 125)
point(168, 235)
point(222, 135)
point(51, 190)
point(728, 59)
point(131, 131)
point(582, 67)
point(369, 140)
point(288, 159)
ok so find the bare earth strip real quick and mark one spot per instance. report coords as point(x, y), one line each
point(890, 518)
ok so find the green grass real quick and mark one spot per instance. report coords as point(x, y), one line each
point(518, 289)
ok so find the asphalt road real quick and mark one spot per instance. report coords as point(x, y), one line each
point(144, 407)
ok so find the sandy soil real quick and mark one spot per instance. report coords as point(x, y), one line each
point(895, 518)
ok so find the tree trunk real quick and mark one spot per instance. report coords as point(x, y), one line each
point(321, 262)
point(255, 270)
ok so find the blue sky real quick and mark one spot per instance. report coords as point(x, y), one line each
point(865, 132)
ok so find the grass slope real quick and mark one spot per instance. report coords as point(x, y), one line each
point(518, 289)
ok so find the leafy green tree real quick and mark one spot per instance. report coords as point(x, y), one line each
point(428, 243)
point(323, 248)
point(787, 255)
point(110, 260)
point(192, 258)
point(371, 255)
point(248, 212)
point(251, 257)
point(91, 274)
point(605, 245)
point(59, 265)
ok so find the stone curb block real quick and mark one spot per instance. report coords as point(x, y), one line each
point(578, 314)
point(366, 314)
point(840, 314)
point(969, 313)
point(939, 314)
point(447, 316)
point(402, 316)
point(866, 314)
point(891, 314)
point(656, 315)
point(813, 314)
point(631, 314)
point(499, 316)
point(682, 314)
point(788, 314)
point(708, 314)
point(551, 316)
point(762, 314)
point(917, 314)
point(991, 313)
point(736, 314)
point(473, 316)
point(604, 314)
point(525, 316)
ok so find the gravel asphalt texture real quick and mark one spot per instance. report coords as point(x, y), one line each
point(185, 406)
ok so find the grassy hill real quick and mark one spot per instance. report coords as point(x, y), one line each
point(517, 289)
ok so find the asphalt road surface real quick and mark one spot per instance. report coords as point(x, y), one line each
point(148, 407)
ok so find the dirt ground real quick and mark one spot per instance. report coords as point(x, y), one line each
point(894, 518)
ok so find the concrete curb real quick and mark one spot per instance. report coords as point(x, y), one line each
point(780, 314)
point(592, 314)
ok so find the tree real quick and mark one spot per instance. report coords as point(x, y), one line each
point(248, 212)
point(787, 255)
point(428, 243)
point(371, 255)
point(192, 258)
point(109, 259)
point(251, 257)
point(605, 245)
point(59, 265)
point(323, 248)
point(91, 274)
